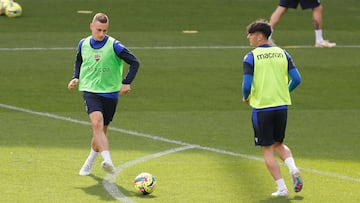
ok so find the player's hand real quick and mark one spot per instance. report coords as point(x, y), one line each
point(125, 88)
point(72, 84)
point(246, 101)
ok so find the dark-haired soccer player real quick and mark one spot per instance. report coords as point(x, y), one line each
point(266, 88)
point(98, 72)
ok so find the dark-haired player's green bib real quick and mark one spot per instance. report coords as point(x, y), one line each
point(270, 83)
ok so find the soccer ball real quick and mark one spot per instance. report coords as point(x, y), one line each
point(13, 9)
point(3, 5)
point(145, 183)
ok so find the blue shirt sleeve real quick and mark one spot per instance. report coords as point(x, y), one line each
point(78, 60)
point(291, 63)
point(118, 47)
point(293, 73)
point(248, 65)
point(126, 55)
point(246, 85)
point(295, 79)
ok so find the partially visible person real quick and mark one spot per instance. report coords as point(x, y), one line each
point(98, 71)
point(266, 87)
point(317, 10)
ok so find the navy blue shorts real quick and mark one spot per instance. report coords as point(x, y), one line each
point(107, 106)
point(305, 4)
point(269, 126)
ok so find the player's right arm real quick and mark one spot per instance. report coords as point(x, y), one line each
point(78, 61)
point(248, 65)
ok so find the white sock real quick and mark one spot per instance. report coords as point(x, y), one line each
point(92, 156)
point(281, 184)
point(106, 156)
point(290, 163)
point(318, 36)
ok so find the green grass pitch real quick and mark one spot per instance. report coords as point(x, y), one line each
point(184, 121)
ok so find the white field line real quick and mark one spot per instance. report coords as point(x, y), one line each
point(149, 136)
point(167, 47)
point(109, 180)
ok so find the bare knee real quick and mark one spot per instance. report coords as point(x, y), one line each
point(318, 9)
point(282, 150)
point(97, 122)
point(276, 15)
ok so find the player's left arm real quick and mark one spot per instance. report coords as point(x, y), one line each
point(134, 64)
point(293, 73)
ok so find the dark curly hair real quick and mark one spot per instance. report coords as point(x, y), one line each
point(260, 25)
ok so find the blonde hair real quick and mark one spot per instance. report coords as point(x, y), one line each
point(100, 17)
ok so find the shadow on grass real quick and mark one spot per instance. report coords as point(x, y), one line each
point(119, 192)
point(97, 190)
point(108, 190)
point(282, 199)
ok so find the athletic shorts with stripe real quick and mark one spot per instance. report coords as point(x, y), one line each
point(269, 126)
point(107, 106)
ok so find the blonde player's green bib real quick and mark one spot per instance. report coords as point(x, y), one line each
point(270, 82)
point(101, 69)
